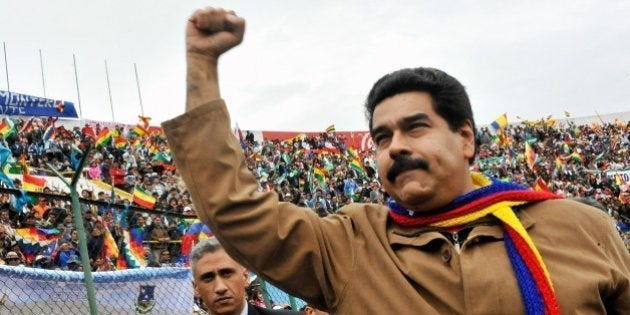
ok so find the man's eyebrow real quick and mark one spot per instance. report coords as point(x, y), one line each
point(378, 130)
point(404, 121)
point(227, 269)
point(207, 274)
point(413, 118)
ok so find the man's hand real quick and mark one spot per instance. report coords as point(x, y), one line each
point(210, 32)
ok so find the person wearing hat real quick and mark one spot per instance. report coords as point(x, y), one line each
point(74, 264)
point(12, 259)
point(15, 247)
point(66, 252)
point(189, 211)
point(43, 262)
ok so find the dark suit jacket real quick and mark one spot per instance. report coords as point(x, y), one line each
point(255, 310)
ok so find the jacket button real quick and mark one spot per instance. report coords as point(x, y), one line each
point(446, 255)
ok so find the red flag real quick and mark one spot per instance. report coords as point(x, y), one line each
point(60, 106)
point(88, 131)
point(541, 185)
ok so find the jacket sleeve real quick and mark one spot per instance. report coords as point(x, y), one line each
point(289, 246)
point(617, 300)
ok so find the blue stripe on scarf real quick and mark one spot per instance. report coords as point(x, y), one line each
point(532, 298)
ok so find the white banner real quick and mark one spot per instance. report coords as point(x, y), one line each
point(625, 175)
point(133, 291)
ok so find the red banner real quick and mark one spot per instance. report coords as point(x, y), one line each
point(355, 139)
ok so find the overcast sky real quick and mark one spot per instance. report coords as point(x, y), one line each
point(307, 64)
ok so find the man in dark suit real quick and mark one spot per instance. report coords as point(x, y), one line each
point(220, 282)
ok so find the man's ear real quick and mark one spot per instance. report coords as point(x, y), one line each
point(467, 134)
point(246, 275)
point(195, 291)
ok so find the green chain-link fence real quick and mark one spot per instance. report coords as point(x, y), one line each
point(37, 278)
point(136, 291)
point(166, 290)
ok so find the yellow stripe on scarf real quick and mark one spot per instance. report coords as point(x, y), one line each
point(507, 216)
point(459, 221)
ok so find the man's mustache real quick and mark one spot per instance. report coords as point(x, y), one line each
point(404, 164)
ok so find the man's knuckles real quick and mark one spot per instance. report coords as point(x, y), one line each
point(214, 20)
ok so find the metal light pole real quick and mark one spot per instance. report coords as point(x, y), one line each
point(78, 222)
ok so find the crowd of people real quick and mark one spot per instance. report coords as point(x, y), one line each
point(287, 167)
point(320, 172)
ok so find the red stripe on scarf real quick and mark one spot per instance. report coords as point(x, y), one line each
point(512, 195)
point(534, 266)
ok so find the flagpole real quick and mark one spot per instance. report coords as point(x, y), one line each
point(600, 117)
point(41, 66)
point(109, 89)
point(6, 66)
point(76, 79)
point(138, 85)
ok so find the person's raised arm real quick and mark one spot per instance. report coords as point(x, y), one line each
point(282, 243)
point(210, 32)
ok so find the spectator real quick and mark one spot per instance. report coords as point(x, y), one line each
point(117, 176)
point(12, 259)
point(41, 207)
point(43, 262)
point(5, 241)
point(94, 171)
point(96, 242)
point(89, 221)
point(5, 220)
point(148, 256)
point(74, 264)
point(220, 282)
point(66, 251)
point(165, 259)
point(158, 233)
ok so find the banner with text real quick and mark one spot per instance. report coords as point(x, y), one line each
point(623, 174)
point(12, 103)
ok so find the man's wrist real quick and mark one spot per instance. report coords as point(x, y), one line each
point(201, 58)
point(202, 80)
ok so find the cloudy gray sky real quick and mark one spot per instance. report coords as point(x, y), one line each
point(307, 64)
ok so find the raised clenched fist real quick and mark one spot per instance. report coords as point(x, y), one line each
point(212, 31)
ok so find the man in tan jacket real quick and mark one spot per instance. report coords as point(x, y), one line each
point(449, 242)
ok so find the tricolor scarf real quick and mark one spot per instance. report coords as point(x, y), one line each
point(498, 199)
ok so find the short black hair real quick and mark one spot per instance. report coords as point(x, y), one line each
point(449, 97)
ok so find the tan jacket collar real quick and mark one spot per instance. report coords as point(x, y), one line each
point(484, 227)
